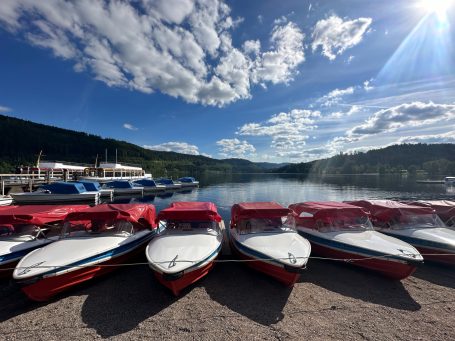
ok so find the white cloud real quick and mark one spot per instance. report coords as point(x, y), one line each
point(353, 110)
point(5, 109)
point(288, 131)
point(182, 48)
point(129, 126)
point(335, 35)
point(334, 96)
point(404, 115)
point(252, 47)
point(448, 137)
point(178, 147)
point(235, 148)
point(367, 86)
point(280, 64)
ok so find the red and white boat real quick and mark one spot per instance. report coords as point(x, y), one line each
point(445, 209)
point(26, 228)
point(342, 231)
point(190, 239)
point(263, 233)
point(93, 240)
point(417, 225)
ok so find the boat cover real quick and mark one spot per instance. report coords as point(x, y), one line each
point(247, 210)
point(190, 211)
point(65, 188)
point(37, 214)
point(386, 210)
point(118, 184)
point(187, 179)
point(91, 186)
point(325, 210)
point(137, 213)
point(445, 209)
point(146, 182)
point(165, 181)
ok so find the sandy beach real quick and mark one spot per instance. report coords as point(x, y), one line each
point(331, 302)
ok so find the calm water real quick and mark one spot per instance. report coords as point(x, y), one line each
point(225, 190)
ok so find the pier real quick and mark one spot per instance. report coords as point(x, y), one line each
point(28, 182)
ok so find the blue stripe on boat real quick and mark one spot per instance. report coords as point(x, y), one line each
point(423, 242)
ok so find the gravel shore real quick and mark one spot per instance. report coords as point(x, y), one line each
point(332, 301)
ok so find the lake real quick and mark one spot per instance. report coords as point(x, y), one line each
point(226, 189)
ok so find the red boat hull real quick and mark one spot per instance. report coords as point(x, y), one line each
point(46, 288)
point(431, 255)
point(177, 285)
point(389, 268)
point(277, 272)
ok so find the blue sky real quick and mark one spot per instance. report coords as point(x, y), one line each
point(251, 79)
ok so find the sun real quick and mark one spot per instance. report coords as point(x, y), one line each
point(438, 7)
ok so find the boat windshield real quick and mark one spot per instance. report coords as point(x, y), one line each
point(344, 223)
point(20, 230)
point(267, 225)
point(194, 226)
point(93, 228)
point(411, 221)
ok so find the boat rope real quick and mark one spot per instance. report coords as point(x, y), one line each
point(230, 260)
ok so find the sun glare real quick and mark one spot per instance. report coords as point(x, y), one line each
point(438, 7)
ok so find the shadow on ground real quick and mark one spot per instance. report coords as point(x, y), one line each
point(13, 302)
point(122, 300)
point(247, 292)
point(443, 275)
point(351, 281)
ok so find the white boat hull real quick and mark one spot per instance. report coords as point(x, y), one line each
point(42, 197)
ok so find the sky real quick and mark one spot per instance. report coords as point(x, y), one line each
point(287, 81)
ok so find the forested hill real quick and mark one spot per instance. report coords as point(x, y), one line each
point(22, 141)
point(432, 158)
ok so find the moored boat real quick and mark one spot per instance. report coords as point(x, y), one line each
point(149, 185)
point(188, 181)
point(190, 239)
point(121, 187)
point(169, 183)
point(6, 200)
point(26, 228)
point(94, 240)
point(342, 231)
point(417, 225)
point(57, 192)
point(112, 171)
point(445, 209)
point(263, 233)
point(92, 186)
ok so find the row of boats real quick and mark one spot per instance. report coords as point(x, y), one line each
point(92, 191)
point(49, 249)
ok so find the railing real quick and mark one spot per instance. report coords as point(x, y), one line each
point(25, 180)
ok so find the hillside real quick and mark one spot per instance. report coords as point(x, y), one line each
point(432, 158)
point(22, 141)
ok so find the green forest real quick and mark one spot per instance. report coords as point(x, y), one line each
point(23, 140)
point(433, 159)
